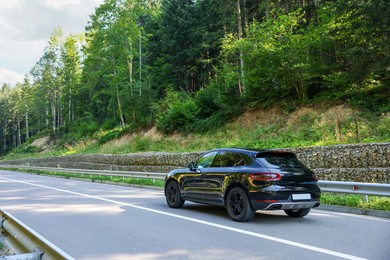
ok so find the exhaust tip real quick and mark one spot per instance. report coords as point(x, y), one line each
point(276, 207)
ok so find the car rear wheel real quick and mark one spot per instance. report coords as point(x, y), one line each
point(238, 205)
point(172, 195)
point(297, 213)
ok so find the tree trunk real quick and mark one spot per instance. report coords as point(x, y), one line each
point(19, 137)
point(4, 138)
point(60, 118)
point(338, 129)
point(241, 83)
point(47, 117)
point(119, 101)
point(27, 127)
point(356, 130)
point(69, 111)
point(140, 64)
point(130, 66)
point(53, 113)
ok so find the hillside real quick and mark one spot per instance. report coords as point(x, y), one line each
point(270, 128)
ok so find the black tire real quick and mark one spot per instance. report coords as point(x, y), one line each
point(238, 205)
point(297, 213)
point(172, 195)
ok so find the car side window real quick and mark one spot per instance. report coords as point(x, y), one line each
point(224, 159)
point(242, 160)
point(231, 159)
point(206, 160)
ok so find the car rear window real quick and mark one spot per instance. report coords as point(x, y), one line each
point(278, 159)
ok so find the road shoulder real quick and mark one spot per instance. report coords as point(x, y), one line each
point(357, 211)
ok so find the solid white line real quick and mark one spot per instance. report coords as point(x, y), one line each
point(249, 233)
point(348, 215)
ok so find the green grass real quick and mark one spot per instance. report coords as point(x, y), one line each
point(356, 201)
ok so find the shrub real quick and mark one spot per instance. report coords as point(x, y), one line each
point(108, 136)
point(84, 127)
point(176, 113)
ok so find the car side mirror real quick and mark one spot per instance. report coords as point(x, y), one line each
point(191, 165)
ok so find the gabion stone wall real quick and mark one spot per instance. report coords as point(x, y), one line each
point(358, 162)
point(139, 162)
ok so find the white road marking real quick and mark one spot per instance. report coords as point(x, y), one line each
point(207, 223)
point(341, 214)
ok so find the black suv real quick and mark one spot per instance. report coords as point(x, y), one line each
point(245, 180)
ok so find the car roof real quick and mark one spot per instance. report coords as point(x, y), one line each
point(245, 150)
point(251, 151)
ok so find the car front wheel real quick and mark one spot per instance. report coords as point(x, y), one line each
point(297, 213)
point(238, 205)
point(172, 195)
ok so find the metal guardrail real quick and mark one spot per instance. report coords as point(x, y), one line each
point(25, 242)
point(361, 188)
point(121, 174)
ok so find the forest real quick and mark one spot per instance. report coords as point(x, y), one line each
point(191, 66)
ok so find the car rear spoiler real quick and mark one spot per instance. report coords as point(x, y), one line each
point(279, 153)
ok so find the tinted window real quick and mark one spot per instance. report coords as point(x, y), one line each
point(206, 160)
point(231, 159)
point(280, 160)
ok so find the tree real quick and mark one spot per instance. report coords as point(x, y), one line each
point(5, 121)
point(113, 66)
point(70, 75)
point(178, 48)
point(46, 74)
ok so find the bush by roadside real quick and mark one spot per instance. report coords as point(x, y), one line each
point(356, 201)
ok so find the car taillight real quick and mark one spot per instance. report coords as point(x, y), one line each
point(265, 176)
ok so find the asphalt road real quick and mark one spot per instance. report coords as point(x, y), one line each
point(100, 221)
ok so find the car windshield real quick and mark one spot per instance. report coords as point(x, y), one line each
point(277, 160)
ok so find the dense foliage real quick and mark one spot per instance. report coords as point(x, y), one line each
point(190, 66)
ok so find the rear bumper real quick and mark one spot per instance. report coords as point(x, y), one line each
point(292, 205)
point(282, 200)
point(285, 205)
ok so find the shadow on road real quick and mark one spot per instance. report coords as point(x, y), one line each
point(261, 217)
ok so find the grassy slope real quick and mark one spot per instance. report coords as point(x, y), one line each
point(271, 128)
